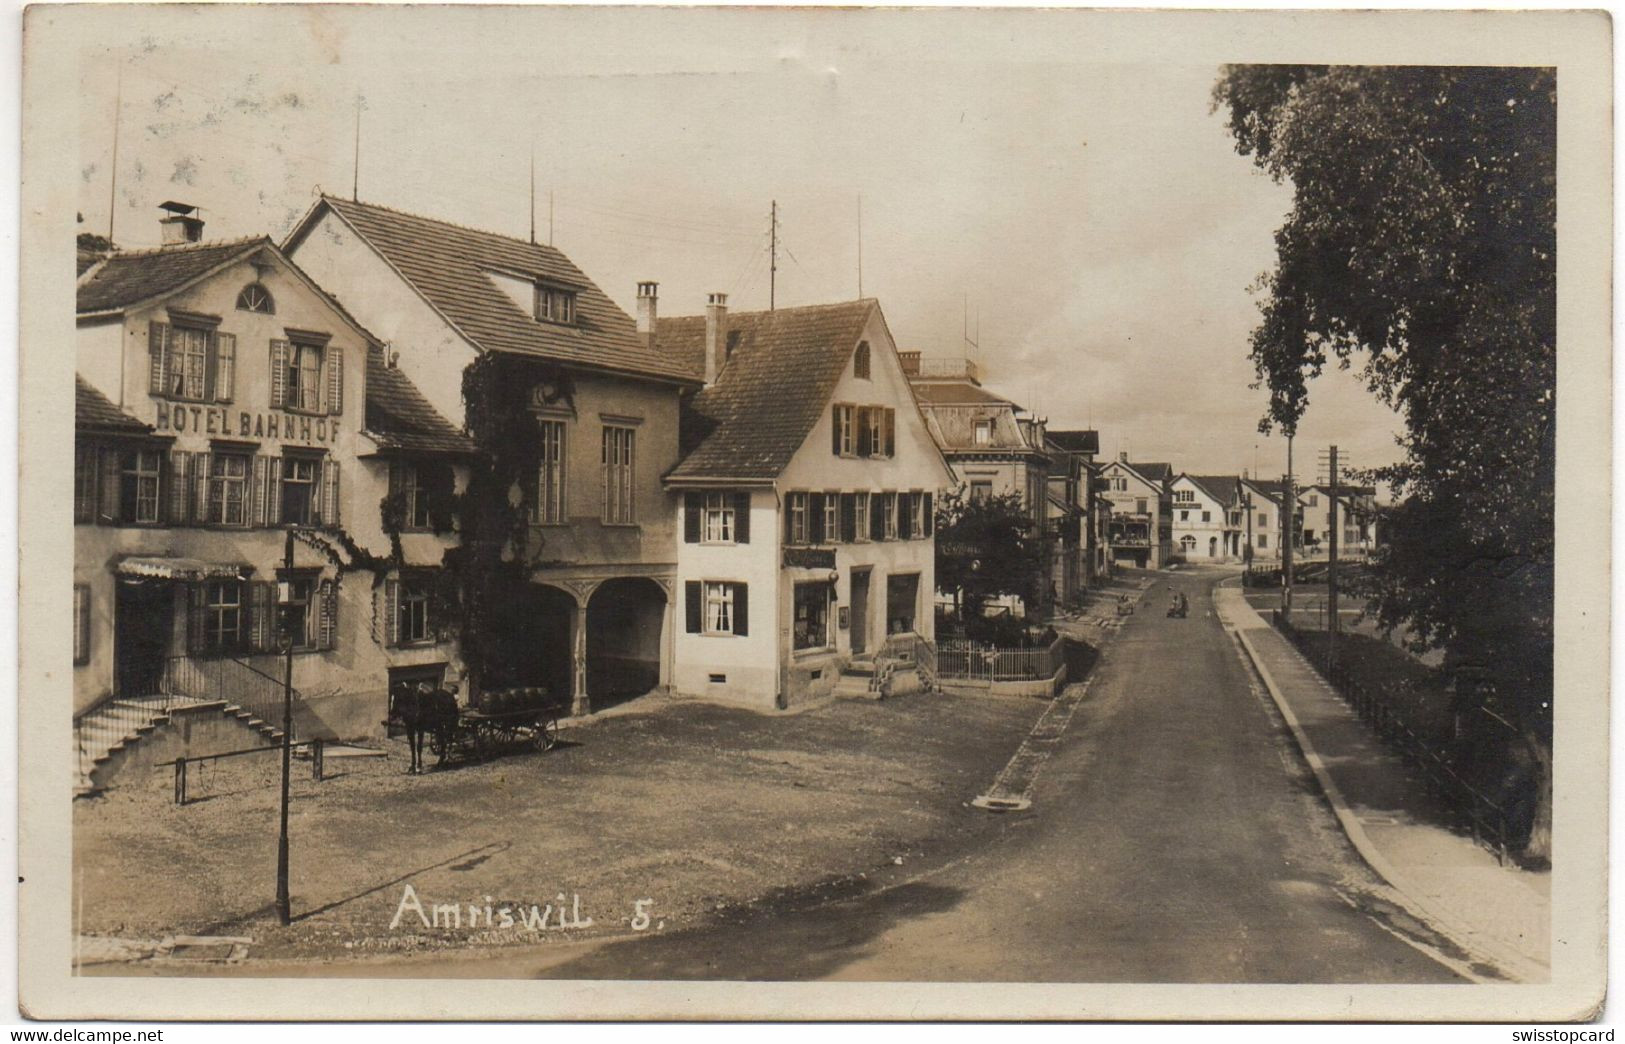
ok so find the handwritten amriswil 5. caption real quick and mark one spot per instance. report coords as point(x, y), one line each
point(561, 915)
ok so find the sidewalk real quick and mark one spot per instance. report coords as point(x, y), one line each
point(1499, 914)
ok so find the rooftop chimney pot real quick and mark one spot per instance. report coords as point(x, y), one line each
point(180, 225)
point(716, 333)
point(648, 310)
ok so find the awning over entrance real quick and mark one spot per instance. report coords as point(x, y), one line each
point(184, 569)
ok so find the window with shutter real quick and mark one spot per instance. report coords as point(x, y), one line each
point(741, 518)
point(849, 517)
point(741, 609)
point(891, 431)
point(693, 506)
point(335, 379)
point(877, 516)
point(930, 519)
point(225, 366)
point(815, 518)
point(905, 515)
point(195, 619)
point(832, 517)
point(279, 372)
point(260, 479)
point(392, 612)
point(180, 487)
point(865, 435)
point(157, 351)
point(330, 492)
point(860, 518)
point(693, 606)
point(263, 615)
point(108, 510)
point(85, 462)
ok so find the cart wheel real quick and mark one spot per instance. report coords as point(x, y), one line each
point(547, 733)
point(484, 744)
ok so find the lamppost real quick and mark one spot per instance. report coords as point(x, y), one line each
point(285, 644)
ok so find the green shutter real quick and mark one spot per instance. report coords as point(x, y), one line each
point(279, 372)
point(335, 379)
point(741, 609)
point(815, 518)
point(225, 366)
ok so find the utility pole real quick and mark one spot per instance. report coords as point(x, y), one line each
point(285, 639)
point(533, 195)
point(773, 264)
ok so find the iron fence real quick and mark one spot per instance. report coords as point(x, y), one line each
point(1482, 816)
point(974, 661)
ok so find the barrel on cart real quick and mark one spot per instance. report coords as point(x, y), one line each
point(501, 720)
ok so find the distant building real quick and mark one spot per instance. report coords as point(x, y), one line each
point(994, 447)
point(807, 486)
point(1142, 529)
point(1208, 525)
point(1087, 563)
point(1262, 505)
point(1356, 520)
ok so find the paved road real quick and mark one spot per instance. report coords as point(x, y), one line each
point(1175, 836)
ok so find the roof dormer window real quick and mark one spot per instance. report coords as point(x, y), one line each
point(555, 304)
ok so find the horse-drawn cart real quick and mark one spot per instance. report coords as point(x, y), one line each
point(500, 720)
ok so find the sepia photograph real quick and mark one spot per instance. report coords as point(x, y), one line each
point(794, 510)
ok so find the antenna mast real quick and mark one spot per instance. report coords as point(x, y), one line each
point(112, 189)
point(355, 168)
point(860, 246)
point(549, 217)
point(773, 266)
point(533, 194)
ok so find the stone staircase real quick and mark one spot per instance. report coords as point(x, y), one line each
point(859, 680)
point(119, 732)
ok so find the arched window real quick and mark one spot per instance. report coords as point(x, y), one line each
point(255, 298)
point(860, 361)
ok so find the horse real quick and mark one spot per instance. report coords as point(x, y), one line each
point(424, 709)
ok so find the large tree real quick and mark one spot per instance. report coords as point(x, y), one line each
point(1421, 247)
point(988, 547)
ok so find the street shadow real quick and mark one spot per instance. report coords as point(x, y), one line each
point(783, 937)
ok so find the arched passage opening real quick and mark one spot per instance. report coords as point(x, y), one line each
point(626, 619)
point(536, 639)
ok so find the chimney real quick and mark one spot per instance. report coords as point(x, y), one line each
point(716, 333)
point(1122, 456)
point(182, 225)
point(911, 363)
point(648, 299)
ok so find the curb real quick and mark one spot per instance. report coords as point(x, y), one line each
point(1524, 968)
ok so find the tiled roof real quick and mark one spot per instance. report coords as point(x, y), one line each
point(84, 259)
point(1274, 490)
point(956, 393)
point(771, 390)
point(1156, 472)
point(400, 418)
point(94, 411)
point(1085, 441)
point(1219, 487)
point(130, 277)
point(450, 266)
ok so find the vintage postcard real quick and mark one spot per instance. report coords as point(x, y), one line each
point(791, 511)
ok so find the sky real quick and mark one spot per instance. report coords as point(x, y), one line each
point(1081, 213)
